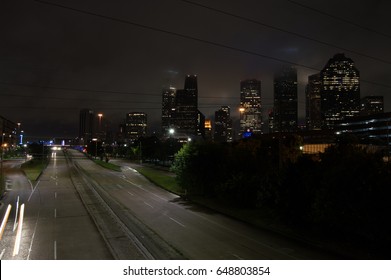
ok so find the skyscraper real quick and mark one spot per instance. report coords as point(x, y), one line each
point(86, 124)
point(136, 125)
point(285, 100)
point(168, 109)
point(313, 100)
point(340, 92)
point(371, 105)
point(186, 117)
point(250, 106)
point(223, 125)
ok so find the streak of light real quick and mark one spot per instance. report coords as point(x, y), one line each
point(2, 254)
point(19, 232)
point(5, 219)
point(16, 214)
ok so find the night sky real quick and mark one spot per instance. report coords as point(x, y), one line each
point(116, 56)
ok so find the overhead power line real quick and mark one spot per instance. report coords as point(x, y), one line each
point(286, 31)
point(216, 44)
point(341, 19)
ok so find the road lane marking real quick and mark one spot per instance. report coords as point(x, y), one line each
point(33, 190)
point(119, 186)
point(148, 204)
point(32, 238)
point(179, 223)
point(141, 188)
point(5, 219)
point(19, 232)
point(130, 193)
point(55, 213)
point(2, 254)
point(55, 194)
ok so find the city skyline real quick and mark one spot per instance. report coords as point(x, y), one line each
point(56, 61)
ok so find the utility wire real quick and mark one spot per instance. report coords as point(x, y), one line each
point(285, 31)
point(340, 19)
point(216, 44)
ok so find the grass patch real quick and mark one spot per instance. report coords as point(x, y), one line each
point(160, 178)
point(33, 168)
point(108, 165)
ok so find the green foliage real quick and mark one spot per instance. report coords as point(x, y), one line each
point(344, 195)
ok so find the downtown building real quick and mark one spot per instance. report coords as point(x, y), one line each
point(250, 107)
point(86, 126)
point(135, 126)
point(313, 114)
point(168, 109)
point(285, 114)
point(340, 91)
point(223, 125)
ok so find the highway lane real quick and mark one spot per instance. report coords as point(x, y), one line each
point(56, 224)
point(196, 232)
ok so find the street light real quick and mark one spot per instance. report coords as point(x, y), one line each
point(96, 146)
point(100, 123)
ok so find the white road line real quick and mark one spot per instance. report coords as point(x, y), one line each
point(141, 188)
point(32, 238)
point(148, 204)
point(179, 223)
point(130, 193)
point(119, 186)
point(55, 213)
point(2, 254)
point(5, 219)
point(33, 191)
point(19, 231)
point(55, 194)
point(55, 249)
point(236, 256)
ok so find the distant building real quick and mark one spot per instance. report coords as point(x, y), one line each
point(135, 126)
point(285, 100)
point(208, 129)
point(371, 105)
point(86, 125)
point(340, 92)
point(186, 116)
point(168, 109)
point(223, 125)
point(250, 106)
point(313, 103)
point(9, 132)
point(372, 129)
point(200, 124)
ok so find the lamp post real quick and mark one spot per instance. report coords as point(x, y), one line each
point(96, 146)
point(100, 123)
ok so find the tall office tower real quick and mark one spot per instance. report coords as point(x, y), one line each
point(285, 100)
point(186, 108)
point(250, 106)
point(135, 126)
point(168, 109)
point(312, 93)
point(340, 93)
point(86, 124)
point(223, 125)
point(371, 105)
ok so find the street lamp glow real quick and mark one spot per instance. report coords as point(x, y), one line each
point(171, 131)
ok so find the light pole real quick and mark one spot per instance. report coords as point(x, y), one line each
point(2, 157)
point(96, 146)
point(100, 124)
